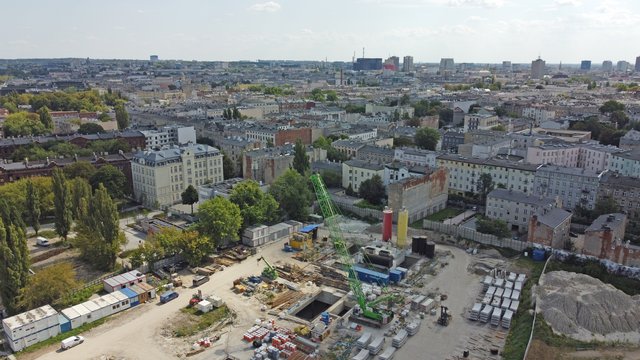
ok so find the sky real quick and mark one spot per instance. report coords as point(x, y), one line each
point(481, 31)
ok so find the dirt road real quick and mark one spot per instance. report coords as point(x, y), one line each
point(135, 335)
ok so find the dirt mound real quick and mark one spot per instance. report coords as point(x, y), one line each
point(587, 309)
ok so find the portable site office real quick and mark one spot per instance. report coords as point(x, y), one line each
point(131, 295)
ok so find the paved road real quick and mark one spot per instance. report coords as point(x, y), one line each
point(136, 338)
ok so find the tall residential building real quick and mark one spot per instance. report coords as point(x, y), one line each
point(638, 63)
point(574, 186)
point(585, 65)
point(506, 66)
point(622, 66)
point(169, 135)
point(537, 68)
point(393, 61)
point(607, 66)
point(160, 176)
point(153, 58)
point(447, 64)
point(367, 64)
point(407, 64)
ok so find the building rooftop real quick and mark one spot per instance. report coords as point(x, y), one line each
point(350, 144)
point(29, 317)
point(376, 150)
point(21, 165)
point(616, 180)
point(554, 217)
point(490, 162)
point(630, 155)
point(613, 221)
point(520, 197)
point(364, 165)
point(173, 153)
point(569, 171)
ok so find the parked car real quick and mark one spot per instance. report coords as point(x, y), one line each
point(168, 296)
point(199, 280)
point(71, 342)
point(42, 241)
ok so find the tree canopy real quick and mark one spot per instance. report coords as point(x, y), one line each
point(24, 124)
point(291, 191)
point(498, 228)
point(256, 206)
point(300, 158)
point(372, 190)
point(427, 138)
point(62, 203)
point(122, 116)
point(47, 285)
point(113, 180)
point(484, 185)
point(190, 196)
point(14, 257)
point(220, 220)
point(82, 169)
point(611, 106)
point(90, 128)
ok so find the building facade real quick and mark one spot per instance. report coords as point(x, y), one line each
point(516, 208)
point(421, 196)
point(160, 176)
point(354, 172)
point(169, 135)
point(624, 190)
point(480, 122)
point(626, 163)
point(605, 240)
point(537, 69)
point(574, 186)
point(550, 228)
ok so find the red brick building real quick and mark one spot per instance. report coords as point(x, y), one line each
point(605, 240)
point(292, 135)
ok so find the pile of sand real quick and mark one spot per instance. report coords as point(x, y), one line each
point(587, 309)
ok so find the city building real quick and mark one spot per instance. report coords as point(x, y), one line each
point(376, 154)
point(354, 172)
point(446, 64)
point(538, 114)
point(506, 66)
point(267, 164)
point(550, 228)
point(622, 66)
point(574, 186)
point(272, 136)
point(395, 171)
point(516, 207)
point(537, 69)
point(585, 65)
point(348, 147)
point(605, 240)
point(31, 327)
point(630, 140)
point(416, 157)
point(421, 196)
point(451, 140)
point(153, 58)
point(234, 148)
point(169, 135)
point(407, 64)
point(626, 163)
point(367, 64)
point(607, 66)
point(637, 67)
point(624, 190)
point(403, 111)
point(392, 63)
point(480, 121)
point(160, 176)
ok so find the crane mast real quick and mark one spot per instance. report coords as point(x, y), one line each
point(331, 218)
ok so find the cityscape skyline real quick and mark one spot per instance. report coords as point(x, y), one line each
point(481, 31)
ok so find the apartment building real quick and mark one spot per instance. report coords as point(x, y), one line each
point(550, 228)
point(464, 172)
point(169, 135)
point(626, 163)
point(354, 172)
point(556, 153)
point(516, 207)
point(605, 240)
point(480, 122)
point(538, 114)
point(348, 147)
point(160, 176)
point(574, 186)
point(377, 154)
point(624, 190)
point(416, 157)
point(421, 196)
point(596, 157)
point(234, 148)
point(267, 164)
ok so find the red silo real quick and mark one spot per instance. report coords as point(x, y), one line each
point(387, 224)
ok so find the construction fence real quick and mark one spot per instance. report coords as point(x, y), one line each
point(473, 235)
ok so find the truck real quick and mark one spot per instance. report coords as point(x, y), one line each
point(199, 280)
point(70, 342)
point(168, 296)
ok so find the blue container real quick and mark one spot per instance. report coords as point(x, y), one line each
point(371, 276)
point(538, 255)
point(65, 324)
point(395, 276)
point(403, 271)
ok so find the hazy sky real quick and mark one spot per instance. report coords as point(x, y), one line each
point(467, 30)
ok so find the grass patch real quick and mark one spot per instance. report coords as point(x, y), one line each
point(49, 234)
point(199, 321)
point(364, 204)
point(520, 331)
point(418, 224)
point(445, 214)
point(595, 269)
point(544, 333)
point(78, 297)
point(58, 338)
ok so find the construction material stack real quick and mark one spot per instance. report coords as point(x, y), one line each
point(474, 315)
point(400, 338)
point(485, 314)
point(506, 319)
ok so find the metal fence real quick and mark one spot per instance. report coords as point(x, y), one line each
point(474, 235)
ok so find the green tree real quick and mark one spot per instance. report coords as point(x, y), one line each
point(499, 128)
point(372, 190)
point(122, 116)
point(23, 124)
point(48, 285)
point(14, 257)
point(45, 118)
point(611, 106)
point(332, 95)
point(620, 118)
point(300, 158)
point(33, 206)
point(317, 95)
point(446, 116)
point(80, 189)
point(190, 196)
point(498, 228)
point(228, 168)
point(427, 138)
point(256, 206)
point(194, 247)
point(322, 143)
point(113, 180)
point(90, 128)
point(484, 185)
point(104, 117)
point(220, 220)
point(236, 113)
point(291, 191)
point(331, 179)
point(605, 205)
point(98, 233)
point(81, 169)
point(62, 204)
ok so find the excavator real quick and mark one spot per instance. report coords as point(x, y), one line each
point(269, 271)
point(331, 217)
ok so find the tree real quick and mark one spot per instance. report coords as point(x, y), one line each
point(291, 191)
point(236, 113)
point(498, 228)
point(45, 118)
point(331, 179)
point(220, 220)
point(81, 169)
point(611, 106)
point(372, 190)
point(80, 189)
point(499, 128)
point(90, 128)
point(62, 204)
point(300, 158)
point(427, 138)
point(33, 206)
point(605, 205)
point(47, 285)
point(113, 180)
point(122, 116)
point(484, 185)
point(620, 118)
point(14, 257)
point(194, 247)
point(190, 196)
point(446, 115)
point(104, 117)
point(256, 206)
point(332, 95)
point(98, 233)
point(228, 169)
point(23, 124)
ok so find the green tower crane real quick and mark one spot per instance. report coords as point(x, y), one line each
point(331, 219)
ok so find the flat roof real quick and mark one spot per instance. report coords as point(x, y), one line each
point(129, 293)
point(30, 316)
point(309, 228)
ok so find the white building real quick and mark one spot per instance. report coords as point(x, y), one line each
point(538, 114)
point(516, 208)
point(31, 327)
point(160, 176)
point(416, 157)
point(480, 122)
point(169, 135)
point(354, 172)
point(626, 163)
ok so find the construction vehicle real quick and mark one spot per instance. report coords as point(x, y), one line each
point(300, 241)
point(195, 299)
point(444, 316)
point(269, 271)
point(331, 218)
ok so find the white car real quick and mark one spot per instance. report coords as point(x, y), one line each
point(71, 342)
point(42, 241)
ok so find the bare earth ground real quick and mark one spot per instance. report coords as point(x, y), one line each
point(541, 351)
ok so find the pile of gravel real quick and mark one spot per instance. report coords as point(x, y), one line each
point(587, 309)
